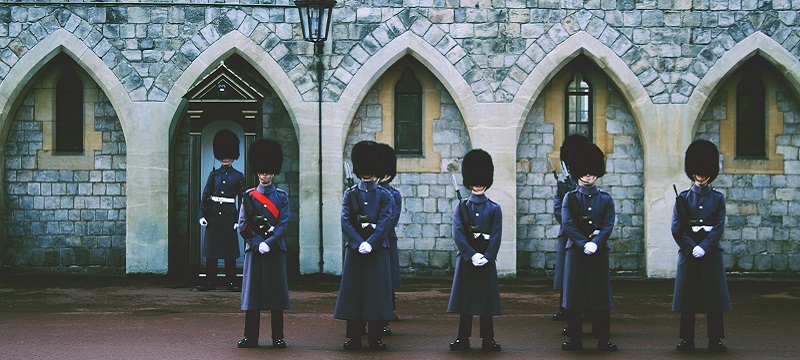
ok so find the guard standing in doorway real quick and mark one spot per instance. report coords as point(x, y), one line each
point(698, 223)
point(587, 219)
point(263, 220)
point(390, 167)
point(477, 232)
point(365, 292)
point(218, 212)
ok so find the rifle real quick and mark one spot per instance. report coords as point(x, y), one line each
point(479, 243)
point(562, 187)
point(583, 223)
point(259, 222)
point(349, 175)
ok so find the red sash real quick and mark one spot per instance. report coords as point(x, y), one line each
point(266, 202)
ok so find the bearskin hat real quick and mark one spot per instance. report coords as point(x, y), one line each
point(702, 158)
point(477, 169)
point(226, 145)
point(367, 159)
point(568, 146)
point(389, 162)
point(265, 157)
point(587, 158)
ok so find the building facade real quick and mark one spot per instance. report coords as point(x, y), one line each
point(106, 110)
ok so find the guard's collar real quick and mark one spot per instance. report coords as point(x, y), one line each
point(266, 189)
point(701, 190)
point(367, 186)
point(478, 199)
point(588, 190)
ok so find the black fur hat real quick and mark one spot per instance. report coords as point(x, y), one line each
point(568, 146)
point(702, 158)
point(477, 169)
point(389, 162)
point(265, 157)
point(367, 159)
point(587, 158)
point(226, 145)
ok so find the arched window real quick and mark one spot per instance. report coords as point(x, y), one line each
point(751, 117)
point(69, 113)
point(578, 98)
point(408, 115)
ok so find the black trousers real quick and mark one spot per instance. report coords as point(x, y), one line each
point(601, 324)
point(252, 323)
point(374, 329)
point(211, 270)
point(465, 327)
point(716, 329)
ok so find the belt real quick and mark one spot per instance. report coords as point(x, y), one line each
point(707, 228)
point(223, 200)
point(477, 234)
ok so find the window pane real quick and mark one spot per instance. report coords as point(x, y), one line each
point(69, 113)
point(578, 96)
point(408, 115)
point(751, 114)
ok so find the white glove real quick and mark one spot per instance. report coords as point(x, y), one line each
point(482, 261)
point(203, 221)
point(698, 252)
point(476, 259)
point(365, 248)
point(263, 248)
point(589, 248)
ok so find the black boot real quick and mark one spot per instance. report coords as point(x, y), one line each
point(716, 345)
point(459, 345)
point(572, 345)
point(685, 345)
point(490, 345)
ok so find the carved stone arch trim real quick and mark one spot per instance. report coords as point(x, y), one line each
point(406, 44)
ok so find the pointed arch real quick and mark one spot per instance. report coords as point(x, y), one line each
point(37, 57)
point(235, 42)
point(756, 44)
point(406, 44)
point(612, 65)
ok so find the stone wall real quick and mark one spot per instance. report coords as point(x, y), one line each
point(761, 233)
point(65, 220)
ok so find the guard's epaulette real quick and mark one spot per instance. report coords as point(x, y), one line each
point(604, 192)
point(281, 190)
point(249, 190)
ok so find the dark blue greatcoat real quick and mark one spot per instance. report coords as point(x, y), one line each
point(221, 241)
point(476, 290)
point(561, 246)
point(394, 255)
point(264, 284)
point(587, 284)
point(365, 292)
point(700, 283)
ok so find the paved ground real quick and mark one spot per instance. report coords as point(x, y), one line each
point(71, 317)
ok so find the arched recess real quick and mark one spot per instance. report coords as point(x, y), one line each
point(235, 42)
point(29, 65)
point(406, 44)
point(617, 70)
point(756, 44)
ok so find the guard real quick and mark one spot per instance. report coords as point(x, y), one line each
point(390, 169)
point(263, 220)
point(218, 212)
point(587, 218)
point(698, 223)
point(365, 292)
point(477, 232)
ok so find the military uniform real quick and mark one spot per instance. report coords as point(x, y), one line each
point(365, 292)
point(562, 188)
point(700, 282)
point(587, 284)
point(264, 284)
point(390, 161)
point(218, 209)
point(477, 233)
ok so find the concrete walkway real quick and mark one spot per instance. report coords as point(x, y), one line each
point(135, 317)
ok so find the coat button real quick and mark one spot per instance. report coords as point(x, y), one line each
point(701, 220)
point(590, 208)
point(223, 181)
point(701, 207)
